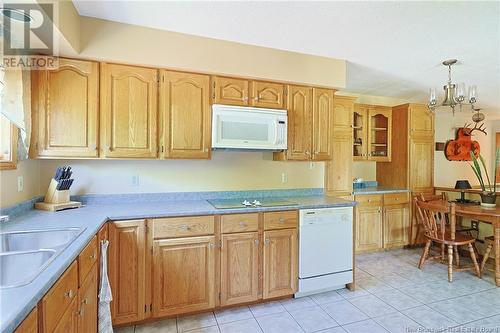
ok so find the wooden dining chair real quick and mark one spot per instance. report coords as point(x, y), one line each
point(433, 215)
point(490, 241)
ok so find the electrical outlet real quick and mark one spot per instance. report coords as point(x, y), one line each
point(20, 183)
point(135, 180)
point(474, 225)
point(284, 178)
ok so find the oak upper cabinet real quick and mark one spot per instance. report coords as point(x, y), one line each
point(338, 179)
point(230, 91)
point(280, 263)
point(267, 94)
point(239, 268)
point(299, 123)
point(129, 110)
point(421, 166)
point(338, 171)
point(421, 120)
point(185, 115)
point(360, 132)
point(379, 134)
point(322, 123)
point(65, 110)
point(368, 223)
point(183, 275)
point(127, 270)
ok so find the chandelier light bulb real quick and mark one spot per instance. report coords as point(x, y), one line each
point(432, 95)
point(461, 92)
point(473, 94)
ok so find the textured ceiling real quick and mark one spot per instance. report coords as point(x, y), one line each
point(392, 48)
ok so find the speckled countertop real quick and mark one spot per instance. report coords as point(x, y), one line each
point(16, 303)
point(378, 190)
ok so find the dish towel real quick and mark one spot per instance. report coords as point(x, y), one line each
point(105, 297)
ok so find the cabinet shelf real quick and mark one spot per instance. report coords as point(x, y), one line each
point(379, 144)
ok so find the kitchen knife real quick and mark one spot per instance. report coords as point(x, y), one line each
point(70, 182)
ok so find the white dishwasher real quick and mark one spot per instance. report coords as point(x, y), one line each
point(325, 249)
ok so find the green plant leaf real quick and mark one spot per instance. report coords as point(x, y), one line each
point(481, 158)
point(477, 170)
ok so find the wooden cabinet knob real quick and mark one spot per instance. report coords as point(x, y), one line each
point(243, 223)
point(281, 220)
point(69, 293)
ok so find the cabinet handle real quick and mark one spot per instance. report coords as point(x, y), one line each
point(245, 98)
point(256, 98)
point(206, 150)
point(93, 147)
point(85, 301)
point(267, 241)
point(307, 152)
point(369, 200)
point(281, 220)
point(184, 227)
point(243, 224)
point(256, 242)
point(69, 294)
point(211, 245)
point(80, 312)
point(93, 256)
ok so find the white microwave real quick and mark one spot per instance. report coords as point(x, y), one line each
point(237, 127)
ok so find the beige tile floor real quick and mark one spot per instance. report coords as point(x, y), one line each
point(392, 296)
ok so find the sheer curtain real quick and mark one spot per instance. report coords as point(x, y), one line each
point(15, 104)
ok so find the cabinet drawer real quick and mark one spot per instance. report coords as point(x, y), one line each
point(280, 220)
point(87, 259)
point(395, 198)
point(59, 298)
point(369, 199)
point(239, 223)
point(183, 226)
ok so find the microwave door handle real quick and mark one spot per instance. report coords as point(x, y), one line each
point(276, 131)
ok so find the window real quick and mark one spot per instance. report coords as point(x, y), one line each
point(8, 144)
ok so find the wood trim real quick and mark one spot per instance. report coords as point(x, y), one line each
point(12, 164)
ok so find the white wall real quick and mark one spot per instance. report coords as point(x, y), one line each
point(225, 171)
point(447, 172)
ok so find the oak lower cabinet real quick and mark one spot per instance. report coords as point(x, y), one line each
point(183, 275)
point(382, 221)
point(396, 224)
point(368, 228)
point(70, 306)
point(29, 324)
point(127, 271)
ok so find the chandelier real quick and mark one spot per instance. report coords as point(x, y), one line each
point(454, 94)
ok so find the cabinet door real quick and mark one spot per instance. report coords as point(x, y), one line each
point(421, 164)
point(69, 321)
point(185, 115)
point(360, 129)
point(343, 108)
point(65, 105)
point(129, 97)
point(87, 298)
point(268, 94)
point(127, 271)
point(379, 134)
point(280, 263)
point(239, 268)
point(396, 223)
point(29, 324)
point(368, 228)
point(299, 123)
point(339, 169)
point(421, 121)
point(322, 123)
point(183, 275)
point(230, 91)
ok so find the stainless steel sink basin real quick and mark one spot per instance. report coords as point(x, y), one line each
point(37, 239)
point(25, 254)
point(20, 268)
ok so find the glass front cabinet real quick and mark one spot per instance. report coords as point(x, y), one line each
point(372, 133)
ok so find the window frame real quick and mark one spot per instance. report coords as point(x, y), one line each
point(12, 163)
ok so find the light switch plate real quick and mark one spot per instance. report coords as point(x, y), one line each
point(20, 183)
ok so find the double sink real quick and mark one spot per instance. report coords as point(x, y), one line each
point(25, 254)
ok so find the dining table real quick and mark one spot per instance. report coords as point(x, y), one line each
point(486, 215)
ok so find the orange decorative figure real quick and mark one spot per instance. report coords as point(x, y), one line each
point(460, 148)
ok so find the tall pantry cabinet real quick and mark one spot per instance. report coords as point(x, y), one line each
point(338, 171)
point(412, 164)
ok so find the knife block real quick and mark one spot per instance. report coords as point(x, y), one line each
point(56, 200)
